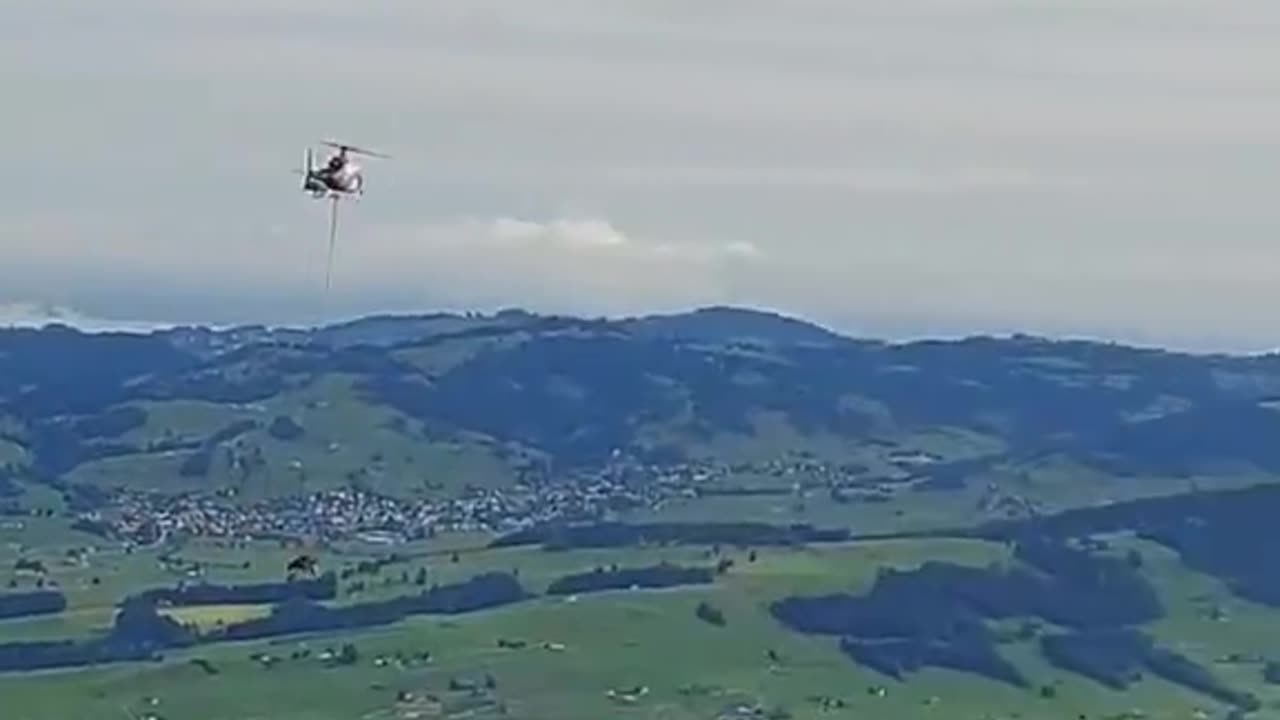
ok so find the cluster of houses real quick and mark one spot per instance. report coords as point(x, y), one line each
point(145, 518)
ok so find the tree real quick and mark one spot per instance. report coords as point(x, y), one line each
point(709, 614)
point(285, 428)
point(348, 655)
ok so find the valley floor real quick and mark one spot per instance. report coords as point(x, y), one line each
point(626, 654)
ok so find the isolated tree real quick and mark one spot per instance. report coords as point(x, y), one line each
point(709, 614)
point(348, 655)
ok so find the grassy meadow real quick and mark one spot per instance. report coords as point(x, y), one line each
point(647, 647)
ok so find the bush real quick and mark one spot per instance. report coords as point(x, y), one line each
point(284, 428)
point(709, 614)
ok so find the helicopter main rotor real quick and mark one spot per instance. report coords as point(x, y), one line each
point(344, 148)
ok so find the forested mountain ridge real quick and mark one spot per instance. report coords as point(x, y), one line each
point(575, 393)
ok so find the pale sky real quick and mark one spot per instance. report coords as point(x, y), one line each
point(889, 168)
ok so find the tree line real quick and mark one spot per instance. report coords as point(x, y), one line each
point(619, 534)
point(937, 615)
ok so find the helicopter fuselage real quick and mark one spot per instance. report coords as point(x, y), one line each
point(342, 178)
point(346, 180)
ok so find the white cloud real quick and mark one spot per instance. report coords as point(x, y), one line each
point(561, 265)
point(570, 234)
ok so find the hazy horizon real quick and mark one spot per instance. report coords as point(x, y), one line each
point(28, 316)
point(930, 169)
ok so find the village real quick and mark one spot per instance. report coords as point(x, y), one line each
point(353, 513)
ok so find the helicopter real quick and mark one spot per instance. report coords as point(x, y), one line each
point(340, 176)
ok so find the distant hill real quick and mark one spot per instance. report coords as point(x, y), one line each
point(727, 324)
point(485, 397)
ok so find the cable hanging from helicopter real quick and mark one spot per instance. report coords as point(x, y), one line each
point(339, 177)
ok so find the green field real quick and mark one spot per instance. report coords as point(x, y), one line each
point(579, 649)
